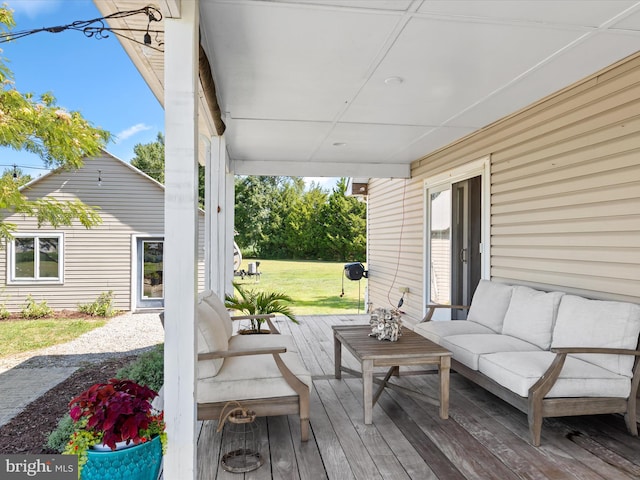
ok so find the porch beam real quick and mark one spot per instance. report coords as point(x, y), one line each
point(181, 239)
point(229, 224)
point(322, 169)
point(170, 8)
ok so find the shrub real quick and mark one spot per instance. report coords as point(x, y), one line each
point(147, 369)
point(59, 438)
point(102, 307)
point(4, 313)
point(35, 310)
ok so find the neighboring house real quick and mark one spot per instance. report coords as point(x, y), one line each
point(547, 197)
point(74, 265)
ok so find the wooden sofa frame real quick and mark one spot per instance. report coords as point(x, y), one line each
point(263, 407)
point(537, 407)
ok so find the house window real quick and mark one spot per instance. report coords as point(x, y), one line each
point(36, 258)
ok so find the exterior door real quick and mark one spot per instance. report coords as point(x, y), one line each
point(466, 237)
point(150, 283)
point(454, 249)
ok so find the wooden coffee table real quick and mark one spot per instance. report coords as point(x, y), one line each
point(410, 349)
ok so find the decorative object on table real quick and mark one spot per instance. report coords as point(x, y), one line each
point(385, 324)
point(240, 438)
point(253, 302)
point(118, 435)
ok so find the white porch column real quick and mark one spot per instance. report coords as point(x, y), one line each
point(181, 239)
point(219, 208)
point(229, 226)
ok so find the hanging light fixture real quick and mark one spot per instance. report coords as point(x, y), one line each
point(99, 178)
point(98, 28)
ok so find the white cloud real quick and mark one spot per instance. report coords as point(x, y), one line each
point(325, 182)
point(35, 8)
point(131, 131)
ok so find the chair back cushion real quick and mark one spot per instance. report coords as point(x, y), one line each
point(597, 323)
point(489, 304)
point(212, 336)
point(214, 302)
point(531, 315)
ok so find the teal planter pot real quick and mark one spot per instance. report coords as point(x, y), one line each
point(141, 462)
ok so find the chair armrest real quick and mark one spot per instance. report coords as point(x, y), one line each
point(262, 316)
point(432, 309)
point(240, 353)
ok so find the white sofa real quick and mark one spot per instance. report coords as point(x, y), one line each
point(549, 354)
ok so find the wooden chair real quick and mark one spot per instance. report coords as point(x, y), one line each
point(270, 380)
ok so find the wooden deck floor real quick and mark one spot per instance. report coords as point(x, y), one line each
point(484, 438)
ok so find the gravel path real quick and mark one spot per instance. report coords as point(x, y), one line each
point(120, 336)
point(26, 376)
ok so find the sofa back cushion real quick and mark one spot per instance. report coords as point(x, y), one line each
point(598, 323)
point(212, 336)
point(489, 304)
point(531, 315)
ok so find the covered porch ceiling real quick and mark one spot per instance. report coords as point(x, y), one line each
point(363, 88)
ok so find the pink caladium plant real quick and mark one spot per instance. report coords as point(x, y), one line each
point(119, 410)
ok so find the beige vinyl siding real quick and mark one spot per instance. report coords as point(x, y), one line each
point(395, 244)
point(99, 259)
point(565, 190)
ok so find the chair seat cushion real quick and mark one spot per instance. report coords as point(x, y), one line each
point(467, 348)
point(437, 330)
point(518, 371)
point(251, 377)
point(246, 342)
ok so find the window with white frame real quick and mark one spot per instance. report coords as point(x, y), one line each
point(36, 258)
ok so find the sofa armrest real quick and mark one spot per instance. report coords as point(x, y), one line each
point(612, 351)
point(539, 390)
point(432, 309)
point(240, 353)
point(262, 316)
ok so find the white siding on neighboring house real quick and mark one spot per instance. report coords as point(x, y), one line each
point(565, 195)
point(99, 259)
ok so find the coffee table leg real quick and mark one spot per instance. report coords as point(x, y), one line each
point(367, 390)
point(445, 367)
point(337, 356)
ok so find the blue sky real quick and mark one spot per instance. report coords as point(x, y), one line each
point(92, 76)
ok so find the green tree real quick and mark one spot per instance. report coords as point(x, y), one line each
point(61, 139)
point(149, 157)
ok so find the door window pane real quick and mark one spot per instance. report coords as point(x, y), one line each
point(25, 257)
point(152, 283)
point(440, 247)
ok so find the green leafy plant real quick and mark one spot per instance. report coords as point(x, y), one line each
point(253, 302)
point(32, 309)
point(148, 369)
point(102, 307)
point(59, 438)
point(108, 413)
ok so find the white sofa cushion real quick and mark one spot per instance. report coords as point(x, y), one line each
point(489, 304)
point(518, 371)
point(250, 377)
point(211, 336)
point(214, 302)
point(437, 330)
point(598, 323)
point(531, 315)
point(467, 349)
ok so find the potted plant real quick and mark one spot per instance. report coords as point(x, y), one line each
point(115, 424)
point(253, 302)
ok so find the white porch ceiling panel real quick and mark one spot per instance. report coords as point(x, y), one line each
point(369, 86)
point(383, 83)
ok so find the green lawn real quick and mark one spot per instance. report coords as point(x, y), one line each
point(314, 286)
point(23, 335)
